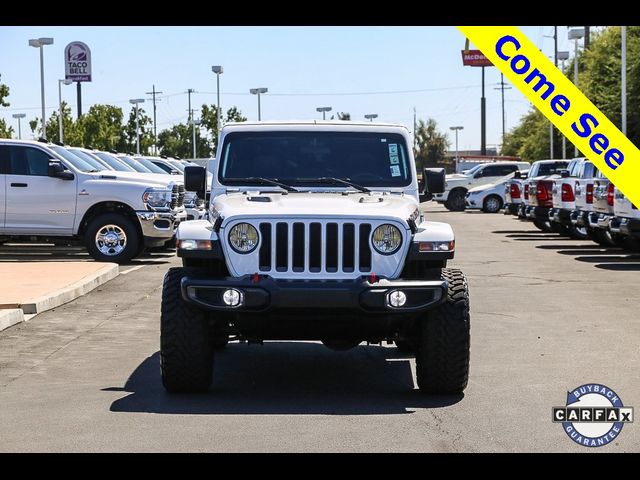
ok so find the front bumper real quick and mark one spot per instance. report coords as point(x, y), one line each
point(472, 202)
point(359, 295)
point(159, 226)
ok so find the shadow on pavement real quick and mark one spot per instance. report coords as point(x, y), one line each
point(50, 253)
point(610, 258)
point(288, 378)
point(620, 267)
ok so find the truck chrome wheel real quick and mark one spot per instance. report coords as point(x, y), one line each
point(111, 240)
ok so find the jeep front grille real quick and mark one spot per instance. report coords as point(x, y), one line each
point(308, 246)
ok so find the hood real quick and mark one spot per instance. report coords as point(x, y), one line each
point(454, 176)
point(148, 179)
point(315, 205)
point(482, 188)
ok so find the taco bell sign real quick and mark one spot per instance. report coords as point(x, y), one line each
point(77, 62)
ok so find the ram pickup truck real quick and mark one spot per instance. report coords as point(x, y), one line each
point(538, 187)
point(602, 212)
point(457, 184)
point(514, 193)
point(564, 197)
point(315, 232)
point(50, 194)
point(626, 222)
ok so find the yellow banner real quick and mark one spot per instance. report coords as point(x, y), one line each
point(562, 103)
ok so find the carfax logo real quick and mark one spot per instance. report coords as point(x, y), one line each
point(593, 416)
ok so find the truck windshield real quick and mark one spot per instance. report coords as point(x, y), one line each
point(113, 162)
point(74, 160)
point(296, 158)
point(134, 164)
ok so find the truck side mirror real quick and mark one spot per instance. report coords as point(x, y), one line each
point(195, 180)
point(564, 173)
point(517, 174)
point(56, 170)
point(432, 182)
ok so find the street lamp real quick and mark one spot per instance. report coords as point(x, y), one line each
point(562, 56)
point(136, 101)
point(39, 43)
point(258, 91)
point(371, 116)
point(66, 81)
point(195, 122)
point(19, 116)
point(456, 129)
point(218, 70)
point(575, 34)
point(324, 111)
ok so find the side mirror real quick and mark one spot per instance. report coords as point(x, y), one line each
point(434, 179)
point(195, 180)
point(56, 170)
point(478, 175)
point(175, 172)
point(517, 174)
point(564, 173)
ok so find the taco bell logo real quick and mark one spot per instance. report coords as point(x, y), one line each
point(77, 62)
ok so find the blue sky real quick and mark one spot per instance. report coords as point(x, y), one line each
point(303, 68)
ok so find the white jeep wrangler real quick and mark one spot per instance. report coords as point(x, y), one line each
point(315, 233)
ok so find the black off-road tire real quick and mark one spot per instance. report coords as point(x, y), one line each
point(132, 243)
point(186, 352)
point(455, 200)
point(219, 342)
point(543, 225)
point(442, 356)
point(577, 233)
point(405, 346)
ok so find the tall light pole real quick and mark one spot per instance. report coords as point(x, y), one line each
point(502, 88)
point(66, 81)
point(456, 129)
point(371, 116)
point(324, 111)
point(136, 101)
point(218, 70)
point(575, 34)
point(562, 56)
point(623, 79)
point(194, 122)
point(19, 116)
point(258, 91)
point(39, 43)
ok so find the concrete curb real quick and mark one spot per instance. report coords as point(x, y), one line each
point(71, 292)
point(9, 317)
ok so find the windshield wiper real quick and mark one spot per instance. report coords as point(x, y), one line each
point(334, 180)
point(262, 181)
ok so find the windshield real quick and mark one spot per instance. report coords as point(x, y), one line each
point(134, 164)
point(178, 165)
point(297, 158)
point(89, 159)
point(551, 168)
point(74, 160)
point(114, 162)
point(473, 170)
point(150, 165)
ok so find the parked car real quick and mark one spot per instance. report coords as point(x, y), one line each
point(564, 198)
point(489, 198)
point(457, 184)
point(602, 212)
point(513, 192)
point(626, 222)
point(538, 186)
point(49, 194)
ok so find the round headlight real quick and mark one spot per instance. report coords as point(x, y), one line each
point(386, 239)
point(243, 238)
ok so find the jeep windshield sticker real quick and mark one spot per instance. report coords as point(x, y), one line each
point(395, 170)
point(393, 149)
point(394, 159)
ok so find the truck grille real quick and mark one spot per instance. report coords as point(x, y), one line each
point(308, 246)
point(177, 196)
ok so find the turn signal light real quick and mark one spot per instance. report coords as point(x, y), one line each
point(188, 244)
point(437, 246)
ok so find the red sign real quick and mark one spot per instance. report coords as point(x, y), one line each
point(475, 58)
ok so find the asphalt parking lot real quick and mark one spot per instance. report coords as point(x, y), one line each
point(548, 314)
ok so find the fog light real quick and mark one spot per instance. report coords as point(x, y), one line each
point(397, 298)
point(232, 297)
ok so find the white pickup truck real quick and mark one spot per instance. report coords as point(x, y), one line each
point(49, 194)
point(458, 184)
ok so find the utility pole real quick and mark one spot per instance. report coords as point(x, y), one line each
point(623, 78)
point(555, 62)
point(190, 91)
point(502, 87)
point(153, 94)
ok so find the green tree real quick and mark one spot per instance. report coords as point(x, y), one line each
point(146, 132)
point(102, 127)
point(5, 131)
point(209, 119)
point(73, 130)
point(4, 93)
point(177, 142)
point(431, 144)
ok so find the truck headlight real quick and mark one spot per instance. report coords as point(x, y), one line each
point(386, 239)
point(157, 197)
point(243, 238)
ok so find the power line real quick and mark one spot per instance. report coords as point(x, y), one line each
point(153, 93)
